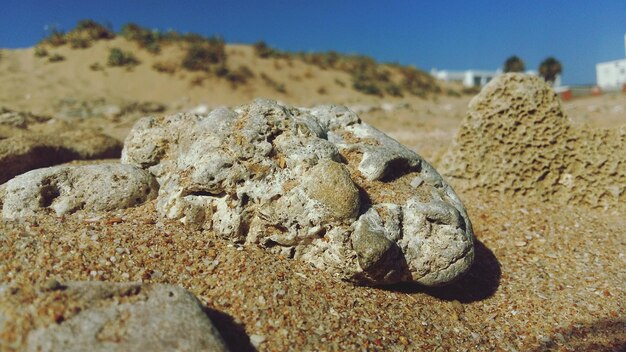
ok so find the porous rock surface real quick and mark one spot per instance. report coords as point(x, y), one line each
point(315, 184)
point(24, 152)
point(66, 189)
point(516, 139)
point(102, 316)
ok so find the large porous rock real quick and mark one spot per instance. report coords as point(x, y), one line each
point(101, 316)
point(315, 184)
point(516, 139)
point(24, 152)
point(66, 189)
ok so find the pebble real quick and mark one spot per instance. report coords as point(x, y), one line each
point(257, 340)
point(53, 285)
point(458, 306)
point(416, 182)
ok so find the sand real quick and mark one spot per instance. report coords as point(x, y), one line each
point(547, 276)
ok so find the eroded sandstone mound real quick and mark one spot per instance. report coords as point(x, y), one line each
point(516, 139)
point(318, 185)
point(101, 316)
point(23, 152)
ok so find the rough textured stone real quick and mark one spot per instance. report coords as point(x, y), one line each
point(21, 153)
point(100, 316)
point(516, 139)
point(66, 189)
point(315, 184)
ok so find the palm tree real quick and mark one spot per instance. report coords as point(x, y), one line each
point(549, 69)
point(514, 64)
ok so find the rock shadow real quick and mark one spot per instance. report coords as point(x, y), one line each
point(234, 334)
point(602, 335)
point(479, 283)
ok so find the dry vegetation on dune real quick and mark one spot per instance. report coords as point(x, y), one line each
point(190, 67)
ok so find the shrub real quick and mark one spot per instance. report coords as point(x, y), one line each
point(262, 50)
point(119, 57)
point(147, 39)
point(339, 82)
point(165, 67)
point(94, 30)
point(79, 43)
point(393, 89)
point(40, 51)
point(202, 55)
point(56, 58)
point(470, 90)
point(453, 93)
point(55, 38)
point(239, 76)
point(365, 85)
point(322, 91)
point(197, 81)
point(221, 70)
point(279, 87)
point(96, 67)
point(193, 38)
point(417, 82)
point(85, 32)
point(316, 59)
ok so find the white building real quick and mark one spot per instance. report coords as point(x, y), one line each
point(611, 75)
point(469, 78)
point(476, 78)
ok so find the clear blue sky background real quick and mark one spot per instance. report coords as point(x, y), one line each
point(441, 34)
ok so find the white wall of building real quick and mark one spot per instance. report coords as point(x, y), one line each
point(469, 78)
point(611, 75)
point(476, 78)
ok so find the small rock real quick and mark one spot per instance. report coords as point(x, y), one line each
point(52, 285)
point(458, 306)
point(257, 340)
point(66, 189)
point(120, 317)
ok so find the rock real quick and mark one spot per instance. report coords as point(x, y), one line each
point(329, 183)
point(69, 108)
point(19, 119)
point(257, 340)
point(66, 189)
point(22, 153)
point(101, 316)
point(201, 109)
point(516, 139)
point(314, 184)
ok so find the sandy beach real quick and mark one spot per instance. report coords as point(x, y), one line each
point(546, 276)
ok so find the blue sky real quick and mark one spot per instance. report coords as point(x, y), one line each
point(441, 34)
